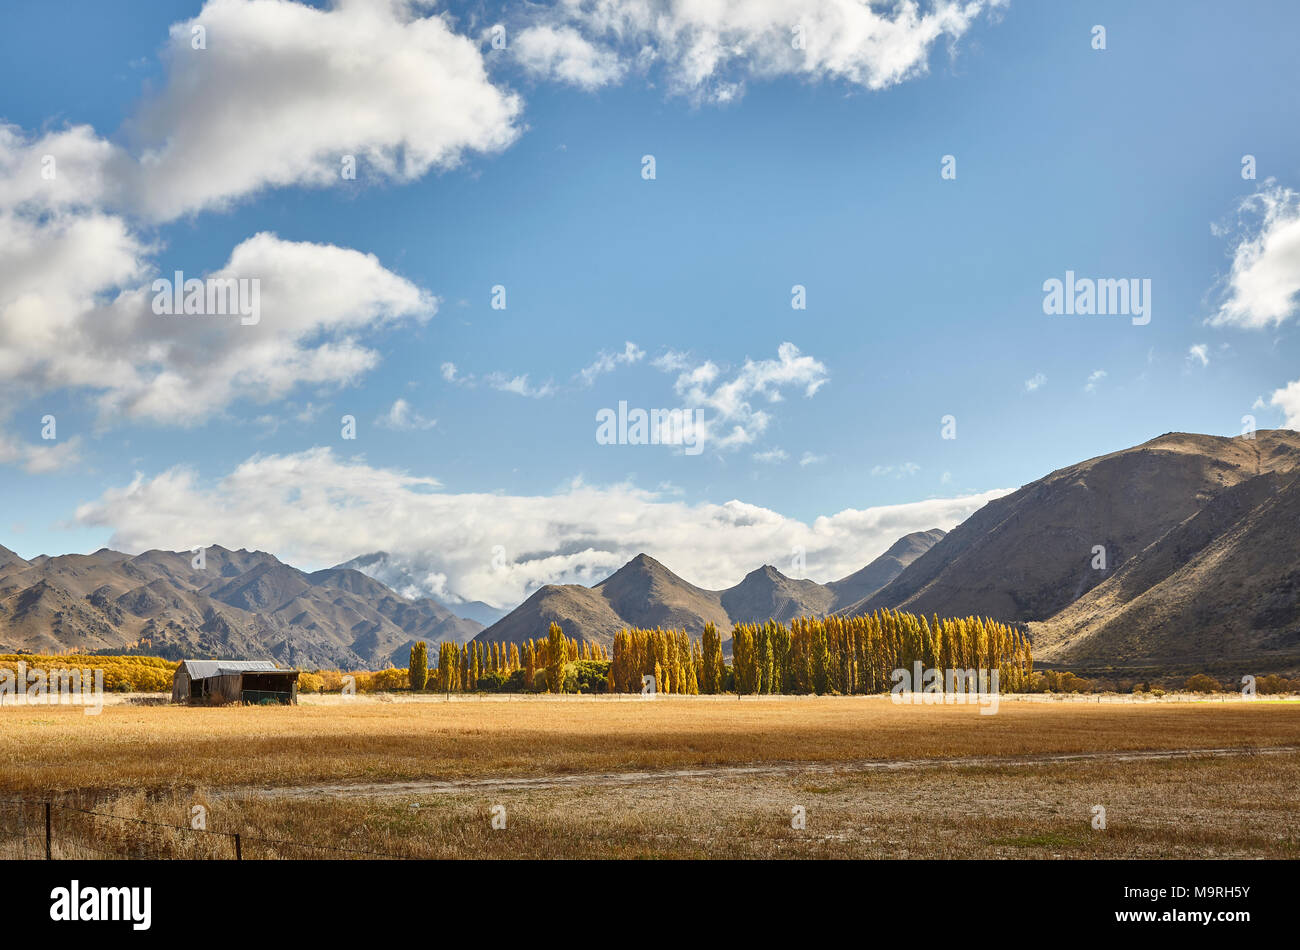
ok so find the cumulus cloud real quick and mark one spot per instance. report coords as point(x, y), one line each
point(39, 458)
point(730, 417)
point(400, 417)
point(1035, 382)
point(1198, 354)
point(1263, 287)
point(330, 509)
point(283, 91)
point(1288, 400)
point(561, 53)
point(1094, 378)
point(60, 170)
point(710, 50)
point(315, 302)
point(771, 456)
point(279, 94)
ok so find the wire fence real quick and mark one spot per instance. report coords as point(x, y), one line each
point(53, 831)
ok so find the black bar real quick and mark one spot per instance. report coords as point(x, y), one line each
point(1088, 898)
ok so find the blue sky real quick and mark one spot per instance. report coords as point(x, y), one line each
point(924, 295)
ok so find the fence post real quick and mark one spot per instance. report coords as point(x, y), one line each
point(239, 851)
point(49, 855)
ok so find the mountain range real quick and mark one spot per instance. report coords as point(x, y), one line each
point(238, 604)
point(1182, 553)
point(644, 593)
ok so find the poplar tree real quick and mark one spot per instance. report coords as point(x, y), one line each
point(556, 652)
point(418, 673)
point(712, 660)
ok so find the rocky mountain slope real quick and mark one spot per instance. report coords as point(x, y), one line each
point(1200, 558)
point(644, 593)
point(240, 604)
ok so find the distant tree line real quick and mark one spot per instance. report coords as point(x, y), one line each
point(122, 674)
point(555, 664)
point(832, 655)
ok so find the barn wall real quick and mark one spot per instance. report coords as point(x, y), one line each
point(180, 686)
point(228, 688)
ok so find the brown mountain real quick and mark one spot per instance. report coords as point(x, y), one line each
point(1221, 592)
point(883, 569)
point(241, 603)
point(1198, 565)
point(644, 593)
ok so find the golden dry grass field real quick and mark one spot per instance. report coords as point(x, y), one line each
point(673, 777)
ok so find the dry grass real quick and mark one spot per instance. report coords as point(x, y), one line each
point(155, 762)
point(59, 749)
point(1190, 808)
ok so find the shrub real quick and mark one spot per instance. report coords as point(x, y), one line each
point(383, 681)
point(1200, 683)
point(1273, 684)
point(514, 683)
point(310, 683)
point(588, 676)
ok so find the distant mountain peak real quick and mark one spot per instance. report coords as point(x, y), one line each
point(645, 593)
point(246, 603)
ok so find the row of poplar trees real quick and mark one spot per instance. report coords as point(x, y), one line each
point(461, 667)
point(836, 655)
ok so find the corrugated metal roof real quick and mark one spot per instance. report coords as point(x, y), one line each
point(204, 669)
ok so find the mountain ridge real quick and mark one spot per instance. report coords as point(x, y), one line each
point(645, 593)
point(240, 603)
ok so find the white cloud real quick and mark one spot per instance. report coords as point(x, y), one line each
point(1263, 288)
point(771, 456)
point(561, 53)
point(68, 169)
point(708, 50)
point(401, 417)
point(519, 385)
point(58, 331)
point(280, 93)
point(730, 417)
point(898, 471)
point(284, 90)
point(502, 382)
point(808, 458)
point(1095, 377)
point(1037, 381)
point(330, 509)
point(40, 458)
point(1198, 353)
point(1288, 400)
point(608, 362)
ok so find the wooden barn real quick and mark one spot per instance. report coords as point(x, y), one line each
point(215, 682)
